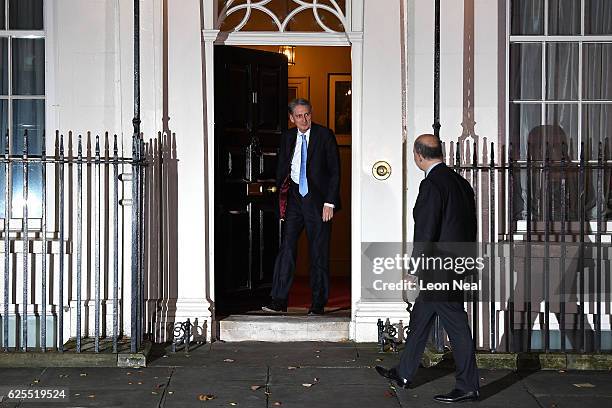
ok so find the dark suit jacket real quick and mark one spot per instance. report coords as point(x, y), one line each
point(322, 167)
point(445, 226)
point(445, 210)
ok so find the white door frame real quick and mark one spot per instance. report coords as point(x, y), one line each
point(353, 39)
point(356, 44)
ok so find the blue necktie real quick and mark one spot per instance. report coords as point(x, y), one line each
point(303, 182)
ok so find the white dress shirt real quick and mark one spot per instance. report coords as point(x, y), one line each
point(297, 159)
point(431, 168)
point(297, 156)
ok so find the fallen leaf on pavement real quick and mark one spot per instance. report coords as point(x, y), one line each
point(92, 396)
point(584, 385)
point(255, 387)
point(229, 360)
point(206, 397)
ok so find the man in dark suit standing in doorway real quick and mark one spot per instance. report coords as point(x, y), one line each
point(445, 212)
point(308, 179)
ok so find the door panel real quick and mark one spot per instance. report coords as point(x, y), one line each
point(250, 116)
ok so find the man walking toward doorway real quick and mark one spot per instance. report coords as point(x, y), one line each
point(444, 216)
point(308, 179)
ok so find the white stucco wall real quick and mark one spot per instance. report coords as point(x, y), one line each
point(421, 38)
point(382, 132)
point(90, 88)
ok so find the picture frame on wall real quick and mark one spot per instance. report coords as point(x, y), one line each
point(298, 87)
point(339, 107)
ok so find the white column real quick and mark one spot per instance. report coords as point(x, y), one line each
point(186, 110)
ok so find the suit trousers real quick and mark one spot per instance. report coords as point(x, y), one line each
point(303, 212)
point(454, 320)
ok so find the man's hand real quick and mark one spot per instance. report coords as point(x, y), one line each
point(328, 213)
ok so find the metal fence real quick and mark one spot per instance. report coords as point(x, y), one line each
point(545, 222)
point(73, 245)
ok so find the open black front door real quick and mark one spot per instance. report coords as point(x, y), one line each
point(250, 115)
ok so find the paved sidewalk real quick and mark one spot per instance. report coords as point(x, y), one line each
point(296, 375)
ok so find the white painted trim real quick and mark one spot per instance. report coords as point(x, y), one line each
point(363, 325)
point(51, 62)
point(209, 37)
point(284, 38)
point(354, 39)
point(31, 33)
point(561, 38)
point(356, 159)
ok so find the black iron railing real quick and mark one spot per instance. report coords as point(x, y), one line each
point(77, 255)
point(545, 222)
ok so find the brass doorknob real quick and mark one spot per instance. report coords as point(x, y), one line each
point(271, 189)
point(381, 170)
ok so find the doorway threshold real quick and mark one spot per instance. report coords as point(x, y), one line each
point(292, 326)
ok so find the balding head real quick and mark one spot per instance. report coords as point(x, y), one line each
point(427, 151)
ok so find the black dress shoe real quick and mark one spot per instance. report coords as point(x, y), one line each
point(275, 306)
point(392, 374)
point(316, 311)
point(457, 395)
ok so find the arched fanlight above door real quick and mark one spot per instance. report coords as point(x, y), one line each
point(283, 15)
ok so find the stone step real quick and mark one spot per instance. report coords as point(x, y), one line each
point(284, 328)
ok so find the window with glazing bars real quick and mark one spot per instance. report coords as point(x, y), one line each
point(560, 101)
point(22, 98)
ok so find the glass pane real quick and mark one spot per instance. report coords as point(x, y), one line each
point(28, 66)
point(563, 17)
point(525, 71)
point(34, 190)
point(26, 14)
point(306, 21)
point(3, 66)
point(597, 71)
point(527, 17)
point(598, 17)
point(523, 118)
point(28, 115)
point(3, 130)
point(562, 71)
point(564, 119)
point(260, 21)
point(2, 15)
point(597, 127)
